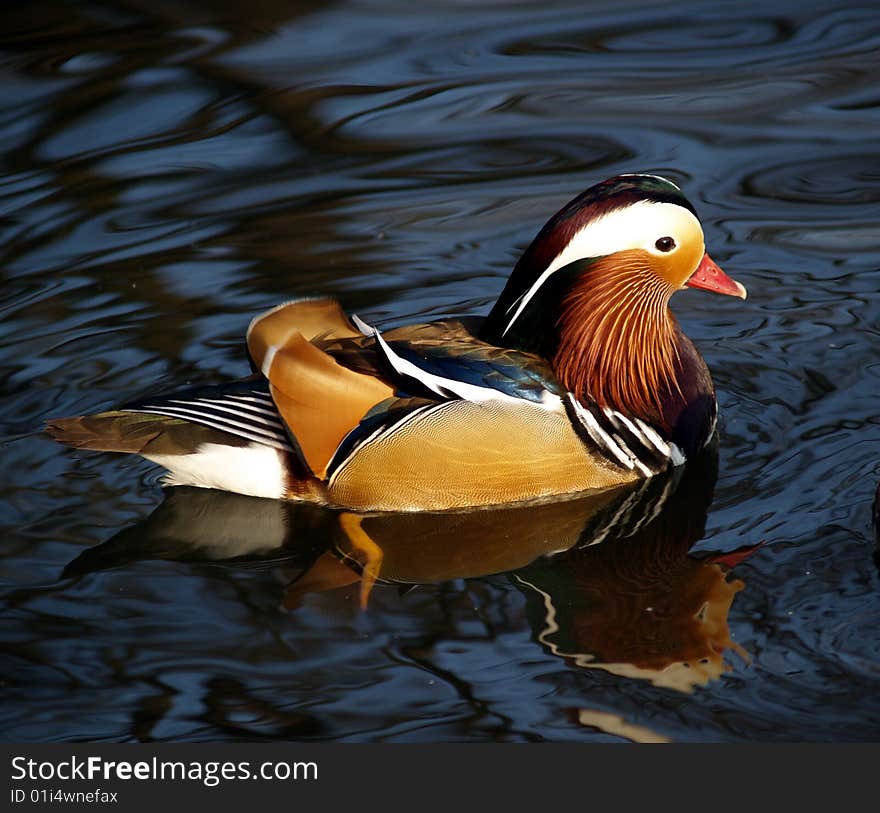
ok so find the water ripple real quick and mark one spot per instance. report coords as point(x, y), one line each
point(165, 174)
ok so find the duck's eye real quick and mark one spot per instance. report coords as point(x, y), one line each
point(665, 244)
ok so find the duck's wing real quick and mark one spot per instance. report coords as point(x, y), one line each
point(317, 320)
point(436, 359)
point(319, 399)
point(325, 373)
point(445, 360)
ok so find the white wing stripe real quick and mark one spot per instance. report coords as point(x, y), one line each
point(249, 412)
point(217, 422)
point(256, 398)
point(647, 436)
point(444, 387)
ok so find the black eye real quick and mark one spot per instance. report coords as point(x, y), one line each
point(665, 244)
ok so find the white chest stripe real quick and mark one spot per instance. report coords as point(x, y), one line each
point(599, 435)
point(646, 439)
point(654, 439)
point(633, 457)
point(647, 436)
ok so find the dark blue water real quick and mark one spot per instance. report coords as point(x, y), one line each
point(168, 170)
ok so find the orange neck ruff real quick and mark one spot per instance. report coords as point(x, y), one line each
point(617, 338)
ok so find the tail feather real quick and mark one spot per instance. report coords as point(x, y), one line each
point(108, 431)
point(135, 433)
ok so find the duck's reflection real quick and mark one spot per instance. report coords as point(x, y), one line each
point(608, 579)
point(642, 607)
point(203, 525)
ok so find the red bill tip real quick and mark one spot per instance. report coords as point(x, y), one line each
point(710, 277)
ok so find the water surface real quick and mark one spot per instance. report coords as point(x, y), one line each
point(168, 172)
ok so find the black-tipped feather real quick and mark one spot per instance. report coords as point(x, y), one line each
point(241, 408)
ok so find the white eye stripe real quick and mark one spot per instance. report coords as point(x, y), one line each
point(648, 175)
point(633, 227)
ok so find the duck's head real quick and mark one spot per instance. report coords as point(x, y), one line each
point(591, 291)
point(640, 223)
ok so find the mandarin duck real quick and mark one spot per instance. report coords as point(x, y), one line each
point(579, 378)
